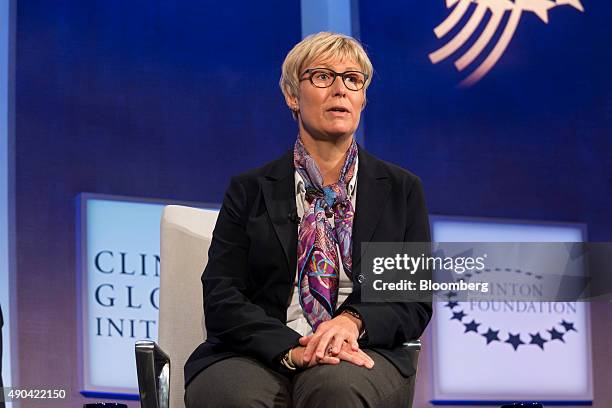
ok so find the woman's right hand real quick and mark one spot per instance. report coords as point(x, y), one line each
point(297, 355)
point(359, 357)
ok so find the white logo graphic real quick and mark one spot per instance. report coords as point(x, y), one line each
point(497, 10)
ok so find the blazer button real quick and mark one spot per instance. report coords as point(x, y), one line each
point(360, 278)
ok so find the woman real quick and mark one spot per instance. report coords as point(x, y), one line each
point(285, 321)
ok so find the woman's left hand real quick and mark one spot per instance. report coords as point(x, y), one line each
point(330, 336)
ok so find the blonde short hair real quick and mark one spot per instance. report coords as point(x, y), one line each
point(321, 45)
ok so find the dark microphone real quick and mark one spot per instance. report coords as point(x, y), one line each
point(293, 217)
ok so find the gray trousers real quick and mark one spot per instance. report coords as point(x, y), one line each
point(245, 382)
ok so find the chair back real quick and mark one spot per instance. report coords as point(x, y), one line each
point(186, 234)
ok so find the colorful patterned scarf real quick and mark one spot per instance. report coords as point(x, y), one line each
point(318, 267)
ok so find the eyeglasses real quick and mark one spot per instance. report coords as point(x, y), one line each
point(324, 78)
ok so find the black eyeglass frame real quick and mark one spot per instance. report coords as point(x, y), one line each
point(335, 74)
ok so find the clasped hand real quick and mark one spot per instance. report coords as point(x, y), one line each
point(333, 341)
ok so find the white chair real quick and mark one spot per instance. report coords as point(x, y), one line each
point(185, 237)
point(186, 234)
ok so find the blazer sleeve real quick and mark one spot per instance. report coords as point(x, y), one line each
point(231, 317)
point(390, 324)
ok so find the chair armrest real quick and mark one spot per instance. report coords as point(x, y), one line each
point(414, 345)
point(153, 368)
point(414, 348)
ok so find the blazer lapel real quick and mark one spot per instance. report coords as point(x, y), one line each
point(372, 192)
point(278, 188)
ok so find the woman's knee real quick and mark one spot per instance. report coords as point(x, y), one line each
point(238, 382)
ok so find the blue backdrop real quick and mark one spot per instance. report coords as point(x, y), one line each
point(148, 98)
point(532, 140)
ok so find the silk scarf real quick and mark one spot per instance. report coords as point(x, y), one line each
point(318, 240)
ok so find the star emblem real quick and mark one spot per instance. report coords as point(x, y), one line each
point(539, 8)
point(514, 340)
point(451, 295)
point(458, 315)
point(555, 335)
point(496, 14)
point(568, 326)
point(451, 304)
point(471, 326)
point(491, 335)
point(538, 340)
point(574, 3)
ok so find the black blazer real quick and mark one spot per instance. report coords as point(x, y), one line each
point(253, 256)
